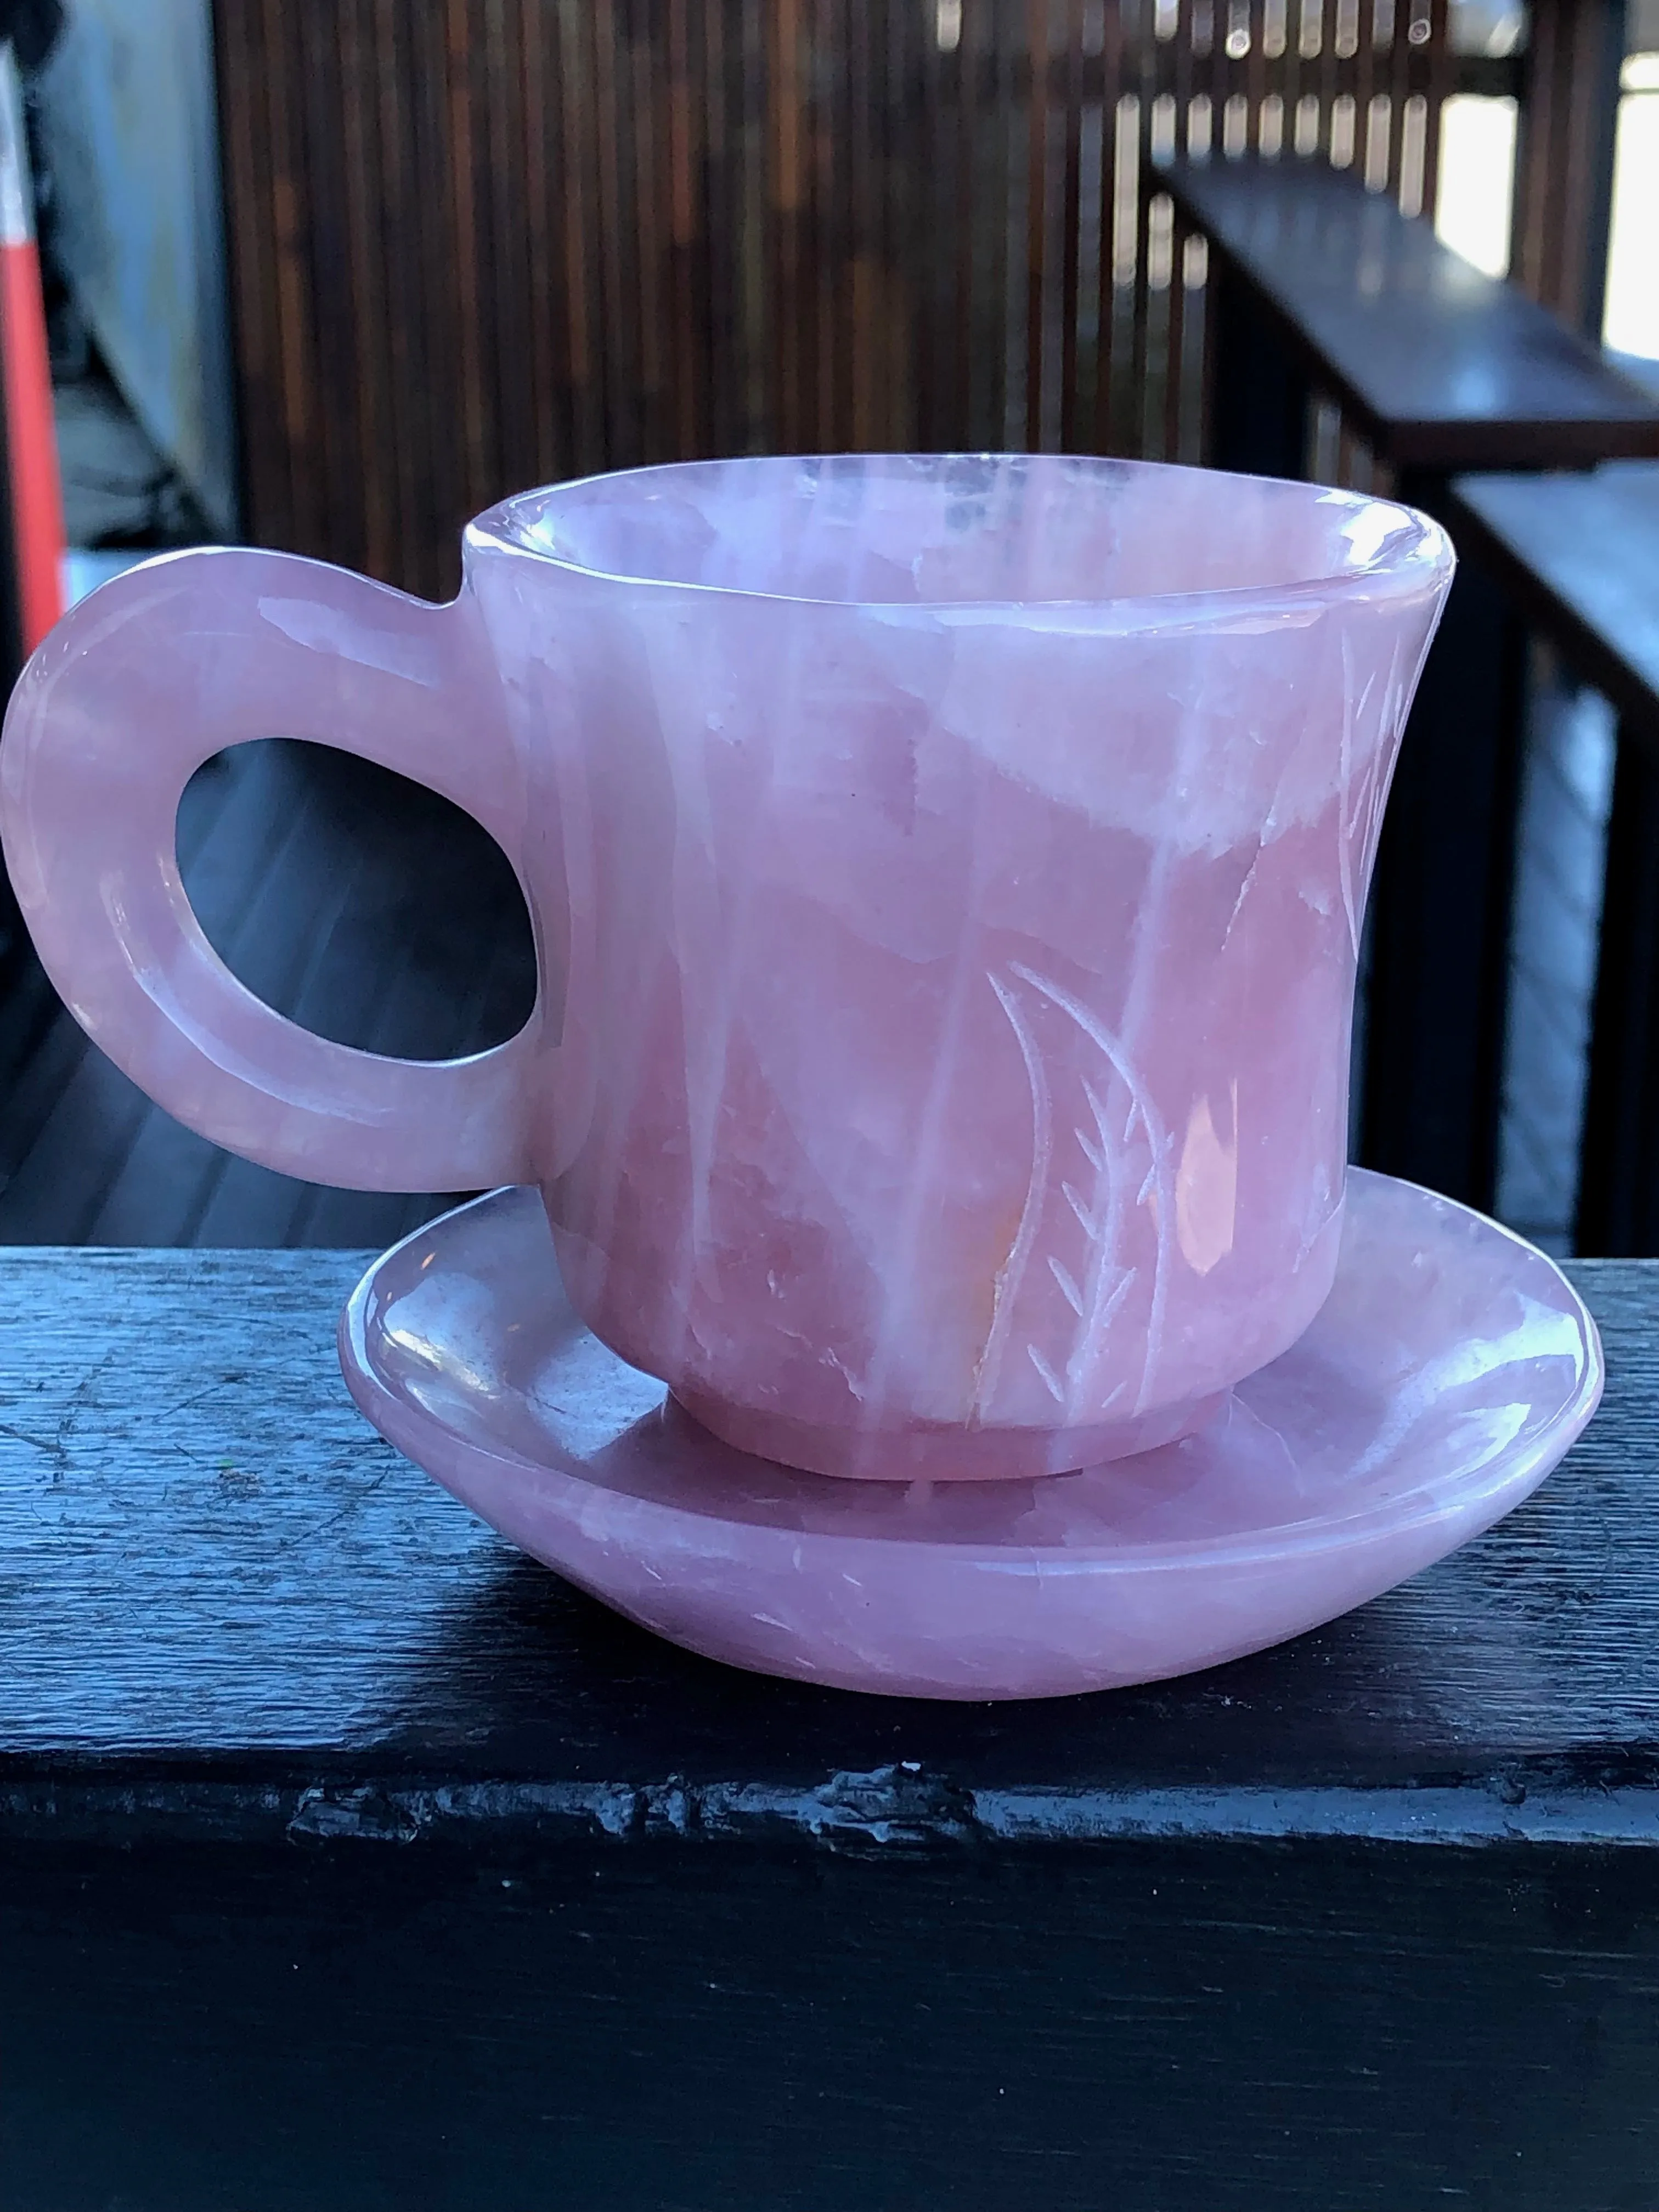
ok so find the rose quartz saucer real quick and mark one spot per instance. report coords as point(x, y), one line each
point(1449, 1370)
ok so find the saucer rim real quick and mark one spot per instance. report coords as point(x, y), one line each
point(1502, 1480)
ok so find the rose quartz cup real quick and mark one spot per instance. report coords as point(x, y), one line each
point(947, 875)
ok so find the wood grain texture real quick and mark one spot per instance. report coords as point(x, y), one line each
point(345, 1856)
point(1565, 155)
point(209, 1558)
point(490, 243)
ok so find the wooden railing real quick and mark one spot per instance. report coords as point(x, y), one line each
point(489, 243)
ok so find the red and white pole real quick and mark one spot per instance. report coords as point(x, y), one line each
point(37, 499)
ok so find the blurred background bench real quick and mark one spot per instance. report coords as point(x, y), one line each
point(1321, 286)
point(1580, 554)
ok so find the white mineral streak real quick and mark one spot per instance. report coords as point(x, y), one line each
point(940, 772)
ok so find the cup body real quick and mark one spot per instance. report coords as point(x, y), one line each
point(950, 874)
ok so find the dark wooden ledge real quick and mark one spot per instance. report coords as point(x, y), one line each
point(345, 1857)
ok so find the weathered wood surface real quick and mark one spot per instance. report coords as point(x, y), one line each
point(347, 1858)
point(209, 1558)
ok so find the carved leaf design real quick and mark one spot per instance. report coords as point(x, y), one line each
point(1099, 1156)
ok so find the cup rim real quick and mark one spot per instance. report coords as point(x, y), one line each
point(1418, 559)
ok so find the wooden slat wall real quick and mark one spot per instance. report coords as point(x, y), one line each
point(1564, 168)
point(1357, 83)
point(482, 244)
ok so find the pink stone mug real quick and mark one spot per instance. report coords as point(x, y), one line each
point(947, 876)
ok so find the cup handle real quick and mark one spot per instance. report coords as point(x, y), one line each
point(138, 685)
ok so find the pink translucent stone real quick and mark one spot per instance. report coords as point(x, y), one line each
point(954, 1074)
point(1448, 1369)
point(948, 874)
